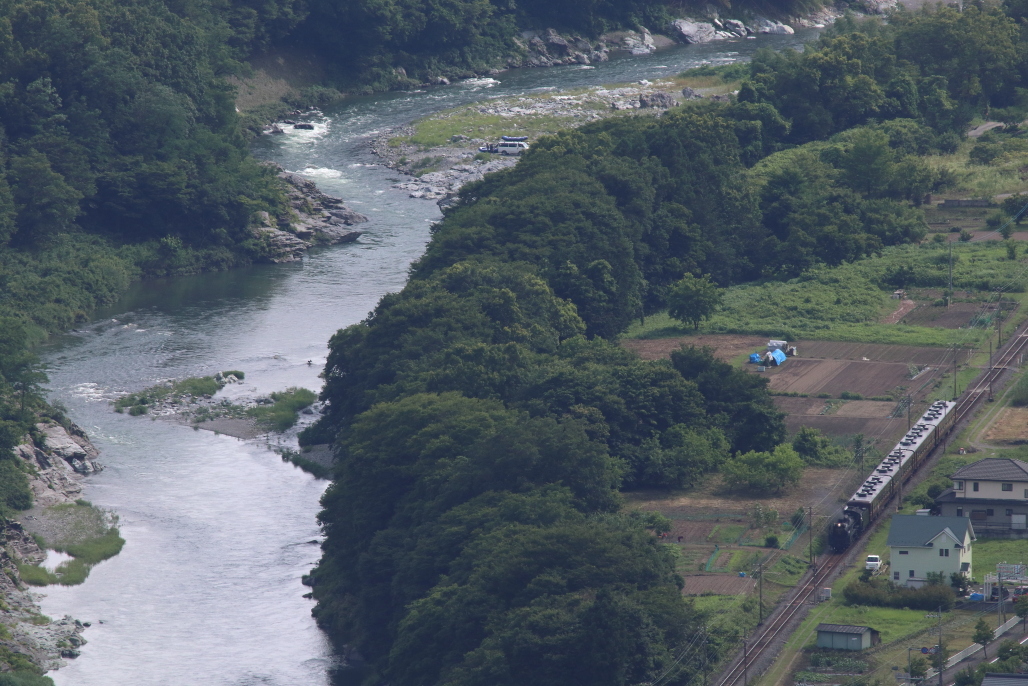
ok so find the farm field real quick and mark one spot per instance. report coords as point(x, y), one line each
point(1010, 428)
point(718, 584)
point(726, 346)
point(813, 376)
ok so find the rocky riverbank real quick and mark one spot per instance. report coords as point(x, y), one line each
point(56, 458)
point(441, 153)
point(316, 218)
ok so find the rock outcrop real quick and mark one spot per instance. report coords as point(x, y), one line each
point(549, 49)
point(318, 219)
point(693, 31)
point(57, 458)
point(658, 100)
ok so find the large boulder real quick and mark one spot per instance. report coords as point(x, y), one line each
point(693, 31)
point(691, 94)
point(736, 27)
point(775, 28)
point(658, 100)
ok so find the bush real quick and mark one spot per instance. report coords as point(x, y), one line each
point(1019, 394)
point(883, 593)
point(137, 410)
point(21, 678)
point(236, 373)
point(771, 541)
point(282, 415)
point(762, 472)
point(846, 395)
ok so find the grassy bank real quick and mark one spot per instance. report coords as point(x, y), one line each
point(86, 533)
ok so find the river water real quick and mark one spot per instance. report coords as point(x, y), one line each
point(219, 531)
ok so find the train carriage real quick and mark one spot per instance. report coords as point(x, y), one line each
point(890, 474)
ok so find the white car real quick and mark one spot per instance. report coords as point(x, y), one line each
point(512, 147)
point(873, 562)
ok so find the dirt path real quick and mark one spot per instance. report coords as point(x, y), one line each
point(905, 308)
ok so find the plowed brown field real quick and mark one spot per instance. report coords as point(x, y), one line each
point(720, 584)
point(802, 375)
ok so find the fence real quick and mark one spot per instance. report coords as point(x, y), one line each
point(974, 647)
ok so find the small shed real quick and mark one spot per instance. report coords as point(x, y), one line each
point(846, 637)
point(775, 357)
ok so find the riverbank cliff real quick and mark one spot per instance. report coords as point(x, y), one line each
point(55, 459)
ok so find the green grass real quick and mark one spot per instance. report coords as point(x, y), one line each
point(283, 413)
point(196, 387)
point(90, 536)
point(988, 552)
point(846, 303)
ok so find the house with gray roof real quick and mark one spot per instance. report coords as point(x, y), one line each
point(992, 493)
point(992, 679)
point(919, 544)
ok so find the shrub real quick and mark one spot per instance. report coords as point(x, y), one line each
point(883, 593)
point(1019, 394)
point(846, 395)
point(282, 415)
point(236, 373)
point(771, 541)
point(137, 410)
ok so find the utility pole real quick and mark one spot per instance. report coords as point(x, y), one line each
point(745, 661)
point(810, 534)
point(760, 585)
point(949, 294)
point(954, 373)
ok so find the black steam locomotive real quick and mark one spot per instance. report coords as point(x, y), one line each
point(895, 470)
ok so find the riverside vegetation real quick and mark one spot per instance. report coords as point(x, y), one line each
point(484, 418)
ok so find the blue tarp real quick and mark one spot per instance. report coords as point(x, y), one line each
point(778, 355)
point(755, 358)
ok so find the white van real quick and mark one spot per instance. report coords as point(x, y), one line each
point(873, 562)
point(512, 147)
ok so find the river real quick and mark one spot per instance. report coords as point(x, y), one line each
point(219, 531)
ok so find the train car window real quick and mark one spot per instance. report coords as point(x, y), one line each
point(1008, 487)
point(1009, 512)
point(958, 485)
point(990, 512)
point(974, 486)
point(1026, 494)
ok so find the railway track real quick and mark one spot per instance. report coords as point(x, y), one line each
point(740, 671)
point(747, 664)
point(981, 387)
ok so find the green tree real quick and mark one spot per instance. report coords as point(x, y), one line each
point(45, 203)
point(918, 667)
point(983, 635)
point(1015, 207)
point(764, 472)
point(694, 299)
point(1021, 608)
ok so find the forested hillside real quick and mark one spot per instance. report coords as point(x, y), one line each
point(484, 419)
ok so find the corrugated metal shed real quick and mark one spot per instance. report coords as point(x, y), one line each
point(843, 628)
point(847, 637)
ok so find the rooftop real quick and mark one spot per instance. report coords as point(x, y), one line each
point(917, 531)
point(844, 629)
point(992, 679)
point(994, 469)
